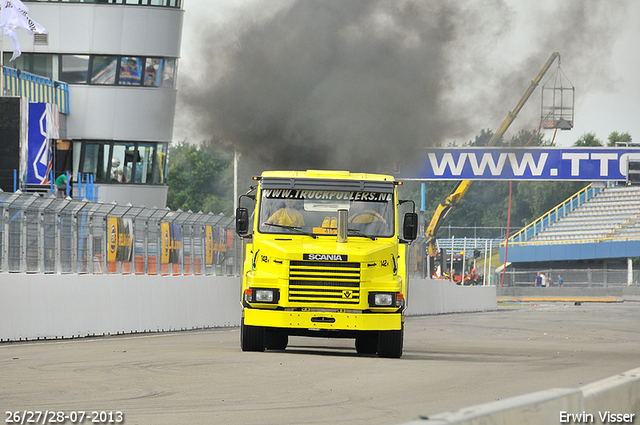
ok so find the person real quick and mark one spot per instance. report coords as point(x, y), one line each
point(367, 220)
point(560, 280)
point(447, 274)
point(117, 175)
point(549, 282)
point(61, 185)
point(538, 281)
point(362, 215)
point(544, 279)
point(287, 216)
point(471, 278)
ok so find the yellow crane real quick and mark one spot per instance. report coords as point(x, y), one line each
point(461, 187)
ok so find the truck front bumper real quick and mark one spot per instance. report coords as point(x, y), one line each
point(323, 320)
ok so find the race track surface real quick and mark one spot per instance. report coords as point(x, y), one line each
point(202, 377)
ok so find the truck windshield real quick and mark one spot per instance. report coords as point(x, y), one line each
point(370, 214)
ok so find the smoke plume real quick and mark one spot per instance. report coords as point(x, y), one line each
point(363, 85)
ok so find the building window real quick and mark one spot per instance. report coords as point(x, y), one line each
point(74, 69)
point(96, 69)
point(124, 162)
point(160, 170)
point(153, 72)
point(42, 64)
point(103, 69)
point(162, 3)
point(130, 71)
point(45, 65)
point(169, 77)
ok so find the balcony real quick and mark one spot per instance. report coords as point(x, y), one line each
point(36, 88)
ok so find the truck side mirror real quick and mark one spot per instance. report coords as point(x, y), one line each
point(242, 221)
point(410, 226)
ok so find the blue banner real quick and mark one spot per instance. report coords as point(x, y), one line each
point(583, 164)
point(39, 145)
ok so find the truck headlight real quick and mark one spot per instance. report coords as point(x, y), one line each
point(262, 295)
point(382, 299)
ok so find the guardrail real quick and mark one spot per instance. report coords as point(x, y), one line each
point(611, 400)
point(36, 88)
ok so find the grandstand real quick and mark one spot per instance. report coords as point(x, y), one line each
point(594, 224)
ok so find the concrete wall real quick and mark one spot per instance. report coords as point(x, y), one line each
point(435, 296)
point(36, 306)
point(67, 306)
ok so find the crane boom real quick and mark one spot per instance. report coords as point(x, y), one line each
point(461, 187)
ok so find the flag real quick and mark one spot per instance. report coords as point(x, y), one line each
point(14, 15)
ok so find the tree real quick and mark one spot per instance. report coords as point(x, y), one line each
point(588, 139)
point(200, 179)
point(616, 137)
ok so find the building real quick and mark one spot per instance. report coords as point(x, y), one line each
point(119, 59)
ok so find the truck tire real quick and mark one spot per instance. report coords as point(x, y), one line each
point(390, 343)
point(251, 337)
point(367, 343)
point(274, 340)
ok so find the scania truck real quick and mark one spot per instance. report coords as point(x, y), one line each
point(324, 256)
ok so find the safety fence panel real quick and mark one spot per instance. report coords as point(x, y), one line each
point(44, 234)
point(572, 278)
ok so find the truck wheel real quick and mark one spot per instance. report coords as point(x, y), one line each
point(367, 343)
point(274, 340)
point(390, 344)
point(251, 337)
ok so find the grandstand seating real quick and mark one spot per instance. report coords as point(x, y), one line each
point(613, 213)
point(470, 244)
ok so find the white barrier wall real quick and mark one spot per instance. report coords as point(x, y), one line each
point(618, 395)
point(36, 306)
point(436, 296)
point(65, 306)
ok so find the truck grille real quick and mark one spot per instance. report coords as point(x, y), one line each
point(324, 282)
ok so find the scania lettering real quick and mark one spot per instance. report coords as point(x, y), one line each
point(324, 256)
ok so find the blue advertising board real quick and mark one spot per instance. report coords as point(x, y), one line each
point(582, 164)
point(42, 128)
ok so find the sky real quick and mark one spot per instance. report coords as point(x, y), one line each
point(312, 83)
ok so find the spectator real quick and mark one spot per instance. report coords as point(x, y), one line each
point(560, 280)
point(61, 186)
point(544, 279)
point(117, 175)
point(538, 281)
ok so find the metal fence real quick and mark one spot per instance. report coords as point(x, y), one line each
point(45, 234)
point(573, 278)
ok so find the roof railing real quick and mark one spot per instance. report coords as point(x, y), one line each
point(36, 88)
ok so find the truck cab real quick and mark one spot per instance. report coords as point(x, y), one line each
point(324, 257)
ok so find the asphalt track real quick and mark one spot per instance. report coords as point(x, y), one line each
point(201, 377)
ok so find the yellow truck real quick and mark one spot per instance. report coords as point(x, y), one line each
point(324, 256)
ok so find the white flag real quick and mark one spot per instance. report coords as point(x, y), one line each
point(15, 14)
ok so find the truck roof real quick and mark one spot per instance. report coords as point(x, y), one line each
point(328, 174)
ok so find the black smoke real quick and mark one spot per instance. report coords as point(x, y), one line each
point(363, 85)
